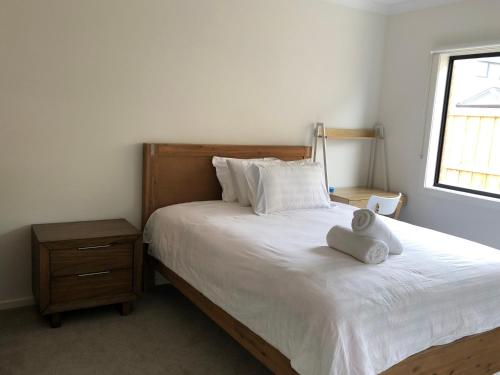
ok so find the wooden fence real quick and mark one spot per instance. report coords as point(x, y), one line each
point(471, 153)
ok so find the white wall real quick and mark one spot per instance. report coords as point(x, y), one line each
point(410, 38)
point(83, 83)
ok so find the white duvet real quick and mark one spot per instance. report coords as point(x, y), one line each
point(326, 311)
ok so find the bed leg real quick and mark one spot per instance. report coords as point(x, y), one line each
point(148, 275)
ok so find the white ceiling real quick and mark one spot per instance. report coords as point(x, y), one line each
point(393, 6)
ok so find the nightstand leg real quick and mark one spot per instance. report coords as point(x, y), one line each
point(55, 320)
point(125, 308)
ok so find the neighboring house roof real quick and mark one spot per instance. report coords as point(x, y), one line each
point(489, 98)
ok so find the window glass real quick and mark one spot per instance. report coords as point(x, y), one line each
point(469, 146)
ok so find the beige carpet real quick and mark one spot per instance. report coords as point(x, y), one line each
point(165, 334)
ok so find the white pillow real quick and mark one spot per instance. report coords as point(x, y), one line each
point(237, 169)
point(252, 175)
point(229, 193)
point(224, 177)
point(284, 187)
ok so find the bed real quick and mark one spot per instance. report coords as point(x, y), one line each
point(291, 301)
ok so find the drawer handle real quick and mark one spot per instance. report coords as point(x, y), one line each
point(93, 247)
point(93, 273)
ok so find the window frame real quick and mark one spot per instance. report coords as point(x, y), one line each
point(444, 117)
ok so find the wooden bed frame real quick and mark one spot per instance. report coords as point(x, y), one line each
point(178, 173)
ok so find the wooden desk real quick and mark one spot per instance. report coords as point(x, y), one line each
point(358, 196)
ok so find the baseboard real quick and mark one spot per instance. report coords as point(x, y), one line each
point(18, 302)
point(28, 301)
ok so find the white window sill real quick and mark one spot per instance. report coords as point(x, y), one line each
point(473, 199)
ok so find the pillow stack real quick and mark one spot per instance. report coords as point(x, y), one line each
point(271, 185)
point(230, 181)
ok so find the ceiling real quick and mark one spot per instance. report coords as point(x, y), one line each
point(393, 6)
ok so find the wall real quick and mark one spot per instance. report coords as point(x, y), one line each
point(83, 83)
point(410, 38)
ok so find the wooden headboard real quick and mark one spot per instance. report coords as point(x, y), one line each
point(178, 173)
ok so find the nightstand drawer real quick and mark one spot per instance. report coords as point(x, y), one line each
point(90, 285)
point(87, 259)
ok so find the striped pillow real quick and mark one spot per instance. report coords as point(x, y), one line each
point(237, 169)
point(285, 187)
point(229, 185)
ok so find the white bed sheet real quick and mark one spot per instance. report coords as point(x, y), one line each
point(326, 311)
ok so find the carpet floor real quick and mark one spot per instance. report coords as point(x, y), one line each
point(165, 334)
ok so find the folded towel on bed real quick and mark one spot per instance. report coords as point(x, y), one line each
point(367, 223)
point(366, 249)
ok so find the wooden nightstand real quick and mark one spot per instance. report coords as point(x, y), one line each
point(358, 196)
point(85, 264)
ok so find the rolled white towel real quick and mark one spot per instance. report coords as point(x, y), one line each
point(367, 223)
point(366, 249)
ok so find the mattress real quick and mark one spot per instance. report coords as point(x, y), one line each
point(324, 310)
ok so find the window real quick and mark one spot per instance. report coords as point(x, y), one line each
point(468, 147)
point(482, 69)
